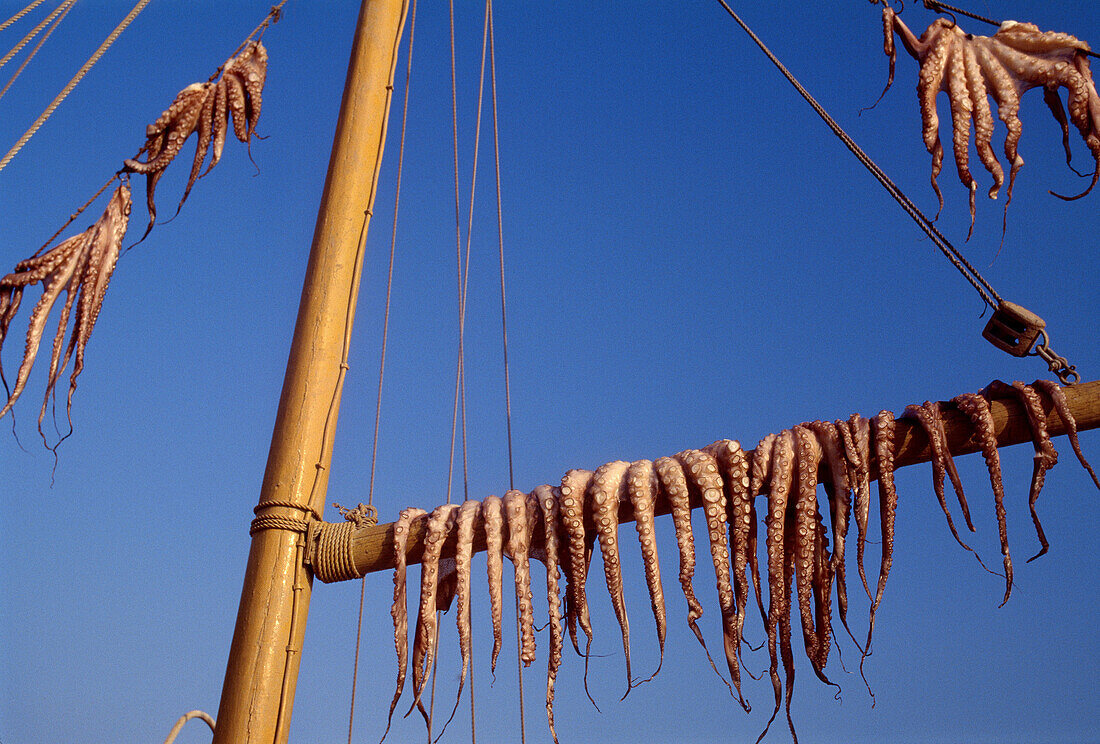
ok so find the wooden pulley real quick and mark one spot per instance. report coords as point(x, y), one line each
point(1013, 328)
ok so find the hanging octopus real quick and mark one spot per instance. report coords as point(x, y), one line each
point(722, 478)
point(971, 69)
point(204, 109)
point(81, 267)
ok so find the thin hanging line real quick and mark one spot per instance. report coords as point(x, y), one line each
point(67, 5)
point(20, 14)
point(382, 362)
point(458, 251)
point(984, 289)
point(140, 6)
point(500, 234)
point(504, 336)
point(34, 32)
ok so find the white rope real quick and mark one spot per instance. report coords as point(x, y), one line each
point(34, 32)
point(184, 719)
point(73, 83)
point(20, 14)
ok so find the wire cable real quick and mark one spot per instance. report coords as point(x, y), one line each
point(411, 10)
point(504, 336)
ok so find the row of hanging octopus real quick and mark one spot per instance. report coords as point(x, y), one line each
point(802, 554)
point(81, 266)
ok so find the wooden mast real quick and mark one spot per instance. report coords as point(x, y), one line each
point(262, 671)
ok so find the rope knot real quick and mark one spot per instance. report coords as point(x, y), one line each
point(364, 515)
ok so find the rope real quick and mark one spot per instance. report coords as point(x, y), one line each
point(504, 332)
point(458, 248)
point(937, 7)
point(334, 560)
point(184, 719)
point(67, 6)
point(289, 505)
point(382, 362)
point(983, 288)
point(20, 14)
point(277, 522)
point(34, 32)
point(140, 6)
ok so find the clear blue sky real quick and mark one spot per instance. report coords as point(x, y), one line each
point(691, 255)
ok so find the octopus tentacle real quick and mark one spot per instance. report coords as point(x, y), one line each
point(1045, 455)
point(778, 625)
point(734, 465)
point(884, 428)
point(937, 446)
point(81, 266)
point(759, 475)
point(674, 486)
point(1054, 103)
point(549, 502)
point(933, 73)
point(574, 485)
point(399, 611)
point(492, 512)
point(839, 490)
point(811, 581)
point(439, 526)
point(785, 619)
point(641, 482)
point(983, 120)
point(465, 519)
point(518, 549)
point(1058, 397)
point(977, 410)
point(962, 111)
point(701, 470)
point(856, 440)
point(605, 493)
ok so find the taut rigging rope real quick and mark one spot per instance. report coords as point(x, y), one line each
point(140, 6)
point(20, 14)
point(382, 354)
point(65, 7)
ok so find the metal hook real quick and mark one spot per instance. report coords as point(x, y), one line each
point(1065, 372)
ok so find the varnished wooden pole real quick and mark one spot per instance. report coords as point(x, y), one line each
point(262, 670)
point(373, 546)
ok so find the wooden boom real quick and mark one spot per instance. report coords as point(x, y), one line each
point(372, 546)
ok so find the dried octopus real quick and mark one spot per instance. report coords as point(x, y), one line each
point(82, 265)
point(971, 69)
point(724, 480)
point(204, 109)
